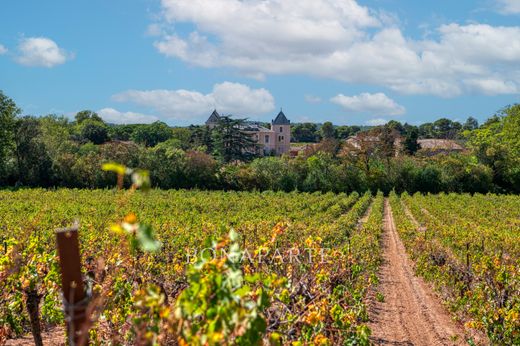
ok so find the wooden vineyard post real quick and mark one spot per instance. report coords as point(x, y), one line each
point(467, 257)
point(75, 300)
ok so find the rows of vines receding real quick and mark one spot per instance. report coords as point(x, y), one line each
point(469, 246)
point(195, 267)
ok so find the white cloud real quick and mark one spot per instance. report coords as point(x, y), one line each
point(376, 122)
point(111, 115)
point(312, 99)
point(3, 50)
point(508, 6)
point(339, 39)
point(41, 51)
point(374, 104)
point(237, 99)
point(154, 29)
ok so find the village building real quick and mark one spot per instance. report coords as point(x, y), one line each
point(274, 140)
point(430, 147)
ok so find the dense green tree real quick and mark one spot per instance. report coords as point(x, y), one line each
point(344, 132)
point(470, 124)
point(427, 130)
point(320, 173)
point(410, 144)
point(304, 133)
point(397, 126)
point(497, 144)
point(183, 136)
point(201, 139)
point(274, 173)
point(94, 131)
point(121, 132)
point(152, 134)
point(446, 129)
point(87, 115)
point(231, 143)
point(32, 159)
point(8, 113)
point(327, 130)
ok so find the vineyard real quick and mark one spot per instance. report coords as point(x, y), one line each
point(196, 267)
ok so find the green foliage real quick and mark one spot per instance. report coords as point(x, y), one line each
point(220, 305)
point(231, 142)
point(327, 130)
point(304, 133)
point(152, 134)
point(34, 166)
point(141, 291)
point(410, 144)
point(85, 115)
point(8, 113)
point(94, 131)
point(51, 151)
point(497, 144)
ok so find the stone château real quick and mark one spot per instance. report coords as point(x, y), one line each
point(276, 140)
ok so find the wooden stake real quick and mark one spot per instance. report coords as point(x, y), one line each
point(74, 296)
point(467, 257)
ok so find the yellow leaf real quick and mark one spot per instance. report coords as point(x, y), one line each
point(114, 167)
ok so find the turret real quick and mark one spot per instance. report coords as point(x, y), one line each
point(282, 131)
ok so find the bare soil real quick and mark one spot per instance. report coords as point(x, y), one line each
point(54, 337)
point(410, 314)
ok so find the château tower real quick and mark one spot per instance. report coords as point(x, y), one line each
point(281, 127)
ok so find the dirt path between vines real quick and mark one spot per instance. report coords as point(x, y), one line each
point(411, 314)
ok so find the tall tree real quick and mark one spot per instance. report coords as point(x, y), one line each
point(470, 124)
point(152, 134)
point(33, 161)
point(8, 113)
point(94, 131)
point(305, 133)
point(231, 143)
point(327, 130)
point(446, 128)
point(86, 115)
point(410, 144)
point(396, 125)
point(497, 144)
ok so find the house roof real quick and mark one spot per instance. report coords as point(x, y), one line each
point(439, 144)
point(281, 119)
point(213, 118)
point(252, 127)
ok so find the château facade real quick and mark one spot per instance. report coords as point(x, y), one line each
point(275, 140)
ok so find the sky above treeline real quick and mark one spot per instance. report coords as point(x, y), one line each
point(345, 61)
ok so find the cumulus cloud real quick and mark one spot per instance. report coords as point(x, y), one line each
point(227, 97)
point(373, 104)
point(339, 39)
point(508, 6)
point(113, 116)
point(3, 50)
point(41, 51)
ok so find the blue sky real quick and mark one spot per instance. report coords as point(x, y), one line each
point(347, 61)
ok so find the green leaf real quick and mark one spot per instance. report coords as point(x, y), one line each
point(141, 179)
point(146, 239)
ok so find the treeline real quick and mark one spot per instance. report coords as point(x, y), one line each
point(53, 151)
point(440, 129)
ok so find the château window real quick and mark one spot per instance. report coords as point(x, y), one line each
point(281, 129)
point(267, 139)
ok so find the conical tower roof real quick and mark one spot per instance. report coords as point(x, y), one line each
point(213, 118)
point(281, 119)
